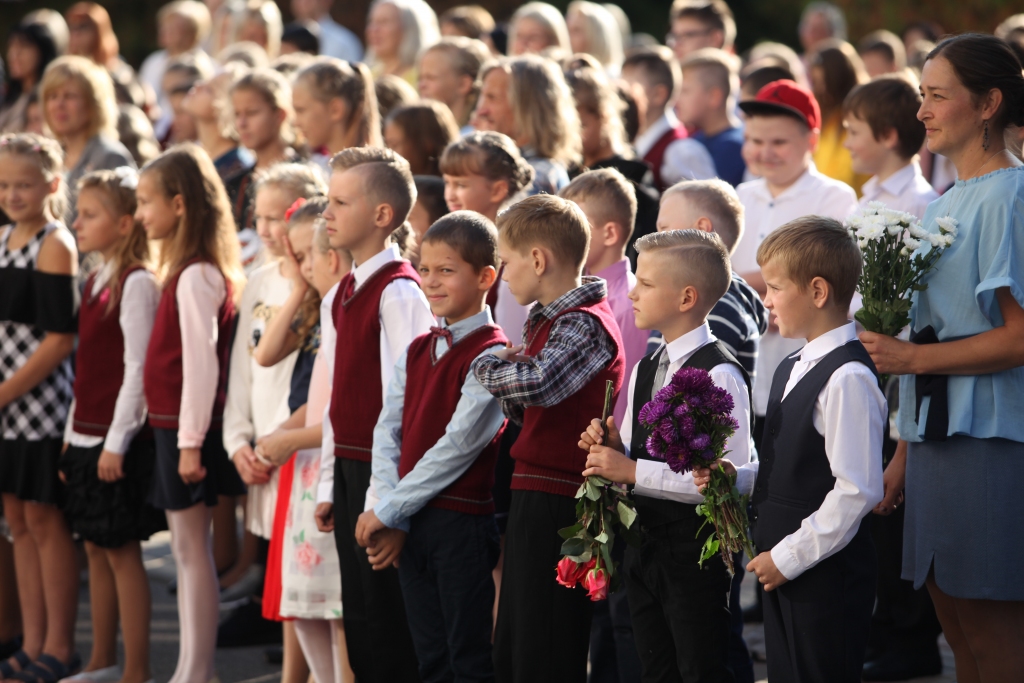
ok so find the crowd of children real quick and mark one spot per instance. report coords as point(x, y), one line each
point(380, 329)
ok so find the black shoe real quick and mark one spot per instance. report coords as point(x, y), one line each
point(902, 666)
point(9, 647)
point(753, 614)
point(246, 626)
point(274, 654)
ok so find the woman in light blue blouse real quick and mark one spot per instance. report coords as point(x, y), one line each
point(961, 416)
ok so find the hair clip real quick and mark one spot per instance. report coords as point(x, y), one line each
point(37, 148)
point(127, 177)
point(296, 205)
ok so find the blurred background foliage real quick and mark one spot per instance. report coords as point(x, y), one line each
point(135, 20)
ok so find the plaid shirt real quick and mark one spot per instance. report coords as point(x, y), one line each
point(577, 349)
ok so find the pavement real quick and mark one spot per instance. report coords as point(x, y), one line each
point(249, 665)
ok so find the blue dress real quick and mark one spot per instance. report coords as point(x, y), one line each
point(963, 494)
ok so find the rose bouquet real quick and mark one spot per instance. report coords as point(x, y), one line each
point(690, 422)
point(898, 252)
point(602, 508)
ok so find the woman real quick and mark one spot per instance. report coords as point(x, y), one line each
point(536, 27)
point(30, 48)
point(92, 36)
point(594, 31)
point(80, 109)
point(836, 69)
point(962, 449)
point(396, 32)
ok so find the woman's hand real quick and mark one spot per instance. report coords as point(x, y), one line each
point(893, 480)
point(190, 466)
point(891, 356)
point(110, 467)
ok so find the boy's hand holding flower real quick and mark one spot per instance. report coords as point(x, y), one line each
point(595, 436)
point(702, 475)
point(611, 464)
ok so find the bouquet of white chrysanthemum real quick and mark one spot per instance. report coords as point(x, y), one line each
point(898, 252)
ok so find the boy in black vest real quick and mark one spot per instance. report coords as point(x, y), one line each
point(680, 612)
point(820, 468)
point(434, 450)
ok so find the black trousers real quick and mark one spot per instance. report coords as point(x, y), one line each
point(380, 648)
point(449, 593)
point(613, 655)
point(680, 611)
point(543, 628)
point(816, 626)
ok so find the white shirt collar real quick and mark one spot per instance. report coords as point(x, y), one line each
point(363, 271)
point(796, 190)
point(470, 324)
point(684, 347)
point(898, 182)
point(828, 342)
point(103, 276)
point(646, 140)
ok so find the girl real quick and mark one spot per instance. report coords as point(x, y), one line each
point(260, 23)
point(396, 32)
point(420, 132)
point(207, 103)
point(448, 72)
point(38, 261)
point(108, 462)
point(835, 70)
point(79, 107)
point(262, 105)
point(303, 560)
point(336, 108)
point(182, 205)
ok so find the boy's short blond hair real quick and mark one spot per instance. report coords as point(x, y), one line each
point(386, 177)
point(701, 261)
point(547, 221)
point(815, 246)
point(718, 201)
point(715, 69)
point(611, 198)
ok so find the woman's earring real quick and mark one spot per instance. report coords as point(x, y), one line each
point(985, 143)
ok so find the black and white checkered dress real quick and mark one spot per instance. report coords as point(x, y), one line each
point(32, 425)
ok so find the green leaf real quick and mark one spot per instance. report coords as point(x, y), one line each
point(570, 531)
point(593, 492)
point(574, 546)
point(581, 491)
point(602, 538)
point(627, 515)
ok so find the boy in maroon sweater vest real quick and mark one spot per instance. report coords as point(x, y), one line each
point(434, 450)
point(572, 347)
point(367, 322)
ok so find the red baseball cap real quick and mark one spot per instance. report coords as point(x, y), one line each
point(785, 97)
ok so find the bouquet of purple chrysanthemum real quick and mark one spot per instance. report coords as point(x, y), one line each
point(690, 421)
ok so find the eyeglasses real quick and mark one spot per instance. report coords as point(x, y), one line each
point(674, 38)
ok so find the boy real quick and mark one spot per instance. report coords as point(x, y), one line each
point(823, 454)
point(697, 24)
point(367, 321)
point(884, 136)
point(608, 201)
point(706, 105)
point(434, 452)
point(781, 134)
point(679, 610)
point(572, 347)
point(883, 52)
point(653, 76)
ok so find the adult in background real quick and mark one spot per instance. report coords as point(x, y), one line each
point(697, 24)
point(594, 31)
point(536, 27)
point(80, 110)
point(527, 99)
point(335, 39)
point(396, 33)
point(961, 453)
point(468, 21)
point(31, 46)
point(819, 22)
point(92, 36)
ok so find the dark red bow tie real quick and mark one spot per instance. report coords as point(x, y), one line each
point(443, 333)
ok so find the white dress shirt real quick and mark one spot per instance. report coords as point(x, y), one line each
point(851, 413)
point(338, 41)
point(905, 190)
point(811, 194)
point(404, 315)
point(140, 298)
point(655, 478)
point(685, 159)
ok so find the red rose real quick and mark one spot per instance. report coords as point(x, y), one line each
point(596, 583)
point(567, 572)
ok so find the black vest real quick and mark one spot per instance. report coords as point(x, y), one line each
point(794, 475)
point(655, 511)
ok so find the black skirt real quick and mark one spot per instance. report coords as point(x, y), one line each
point(28, 470)
point(110, 514)
point(169, 492)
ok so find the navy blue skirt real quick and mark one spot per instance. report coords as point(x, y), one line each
point(169, 492)
point(963, 515)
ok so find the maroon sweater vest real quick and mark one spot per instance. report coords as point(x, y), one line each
point(162, 378)
point(99, 360)
point(548, 457)
point(436, 387)
point(656, 155)
point(356, 394)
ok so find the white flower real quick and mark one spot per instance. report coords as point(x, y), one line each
point(947, 224)
point(905, 252)
point(948, 240)
point(911, 244)
point(918, 231)
point(870, 231)
point(895, 228)
point(877, 206)
point(862, 243)
point(937, 241)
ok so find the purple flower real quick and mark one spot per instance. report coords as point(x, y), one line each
point(700, 442)
point(681, 410)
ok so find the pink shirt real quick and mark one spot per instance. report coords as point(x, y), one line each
point(621, 281)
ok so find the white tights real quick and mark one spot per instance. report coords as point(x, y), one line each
point(319, 641)
point(198, 592)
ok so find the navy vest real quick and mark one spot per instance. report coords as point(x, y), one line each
point(655, 511)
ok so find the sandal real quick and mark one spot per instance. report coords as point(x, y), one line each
point(8, 671)
point(48, 669)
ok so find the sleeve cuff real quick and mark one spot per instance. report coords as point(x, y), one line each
point(190, 439)
point(389, 516)
point(746, 478)
point(785, 561)
point(118, 442)
point(325, 492)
